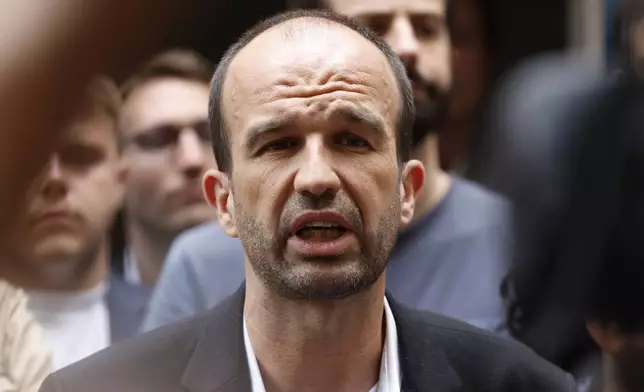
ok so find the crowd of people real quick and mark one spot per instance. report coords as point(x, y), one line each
point(304, 214)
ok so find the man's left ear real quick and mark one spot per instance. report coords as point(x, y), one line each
point(412, 179)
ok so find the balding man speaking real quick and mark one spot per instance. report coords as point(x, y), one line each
point(311, 118)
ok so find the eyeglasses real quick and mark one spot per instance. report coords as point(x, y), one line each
point(167, 135)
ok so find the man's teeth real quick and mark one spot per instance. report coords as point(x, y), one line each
point(320, 230)
point(320, 233)
point(321, 224)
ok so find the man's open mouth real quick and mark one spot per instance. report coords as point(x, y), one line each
point(321, 231)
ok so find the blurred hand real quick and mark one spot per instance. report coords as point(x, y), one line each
point(49, 51)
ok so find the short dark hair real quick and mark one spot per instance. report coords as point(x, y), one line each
point(179, 63)
point(218, 127)
point(102, 97)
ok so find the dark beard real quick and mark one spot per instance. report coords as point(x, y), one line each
point(266, 253)
point(431, 113)
point(629, 369)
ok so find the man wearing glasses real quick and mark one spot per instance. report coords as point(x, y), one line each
point(166, 150)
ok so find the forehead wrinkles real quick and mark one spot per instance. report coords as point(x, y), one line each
point(321, 58)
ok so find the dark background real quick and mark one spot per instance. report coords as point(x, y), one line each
point(525, 27)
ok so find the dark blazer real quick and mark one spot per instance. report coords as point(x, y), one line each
point(206, 354)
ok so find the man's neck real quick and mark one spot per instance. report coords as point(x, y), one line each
point(149, 251)
point(76, 274)
point(437, 181)
point(316, 346)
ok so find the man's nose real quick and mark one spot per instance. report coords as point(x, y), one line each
point(54, 185)
point(190, 153)
point(402, 38)
point(316, 175)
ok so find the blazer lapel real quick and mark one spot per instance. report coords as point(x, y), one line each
point(219, 363)
point(219, 360)
point(423, 363)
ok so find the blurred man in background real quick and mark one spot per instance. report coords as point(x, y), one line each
point(451, 260)
point(628, 37)
point(166, 151)
point(59, 251)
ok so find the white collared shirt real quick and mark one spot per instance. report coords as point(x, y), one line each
point(388, 381)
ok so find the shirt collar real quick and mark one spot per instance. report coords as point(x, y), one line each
point(388, 381)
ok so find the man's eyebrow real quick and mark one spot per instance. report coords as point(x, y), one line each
point(260, 128)
point(364, 118)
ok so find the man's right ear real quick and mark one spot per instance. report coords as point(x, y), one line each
point(218, 192)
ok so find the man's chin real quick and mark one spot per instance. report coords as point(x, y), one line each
point(57, 249)
point(326, 280)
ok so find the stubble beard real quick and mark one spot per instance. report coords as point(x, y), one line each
point(291, 280)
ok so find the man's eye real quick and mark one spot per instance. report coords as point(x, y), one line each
point(79, 155)
point(352, 141)
point(159, 137)
point(280, 145)
point(425, 27)
point(380, 24)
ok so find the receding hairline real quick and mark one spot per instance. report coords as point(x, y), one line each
point(301, 28)
point(298, 29)
point(222, 83)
